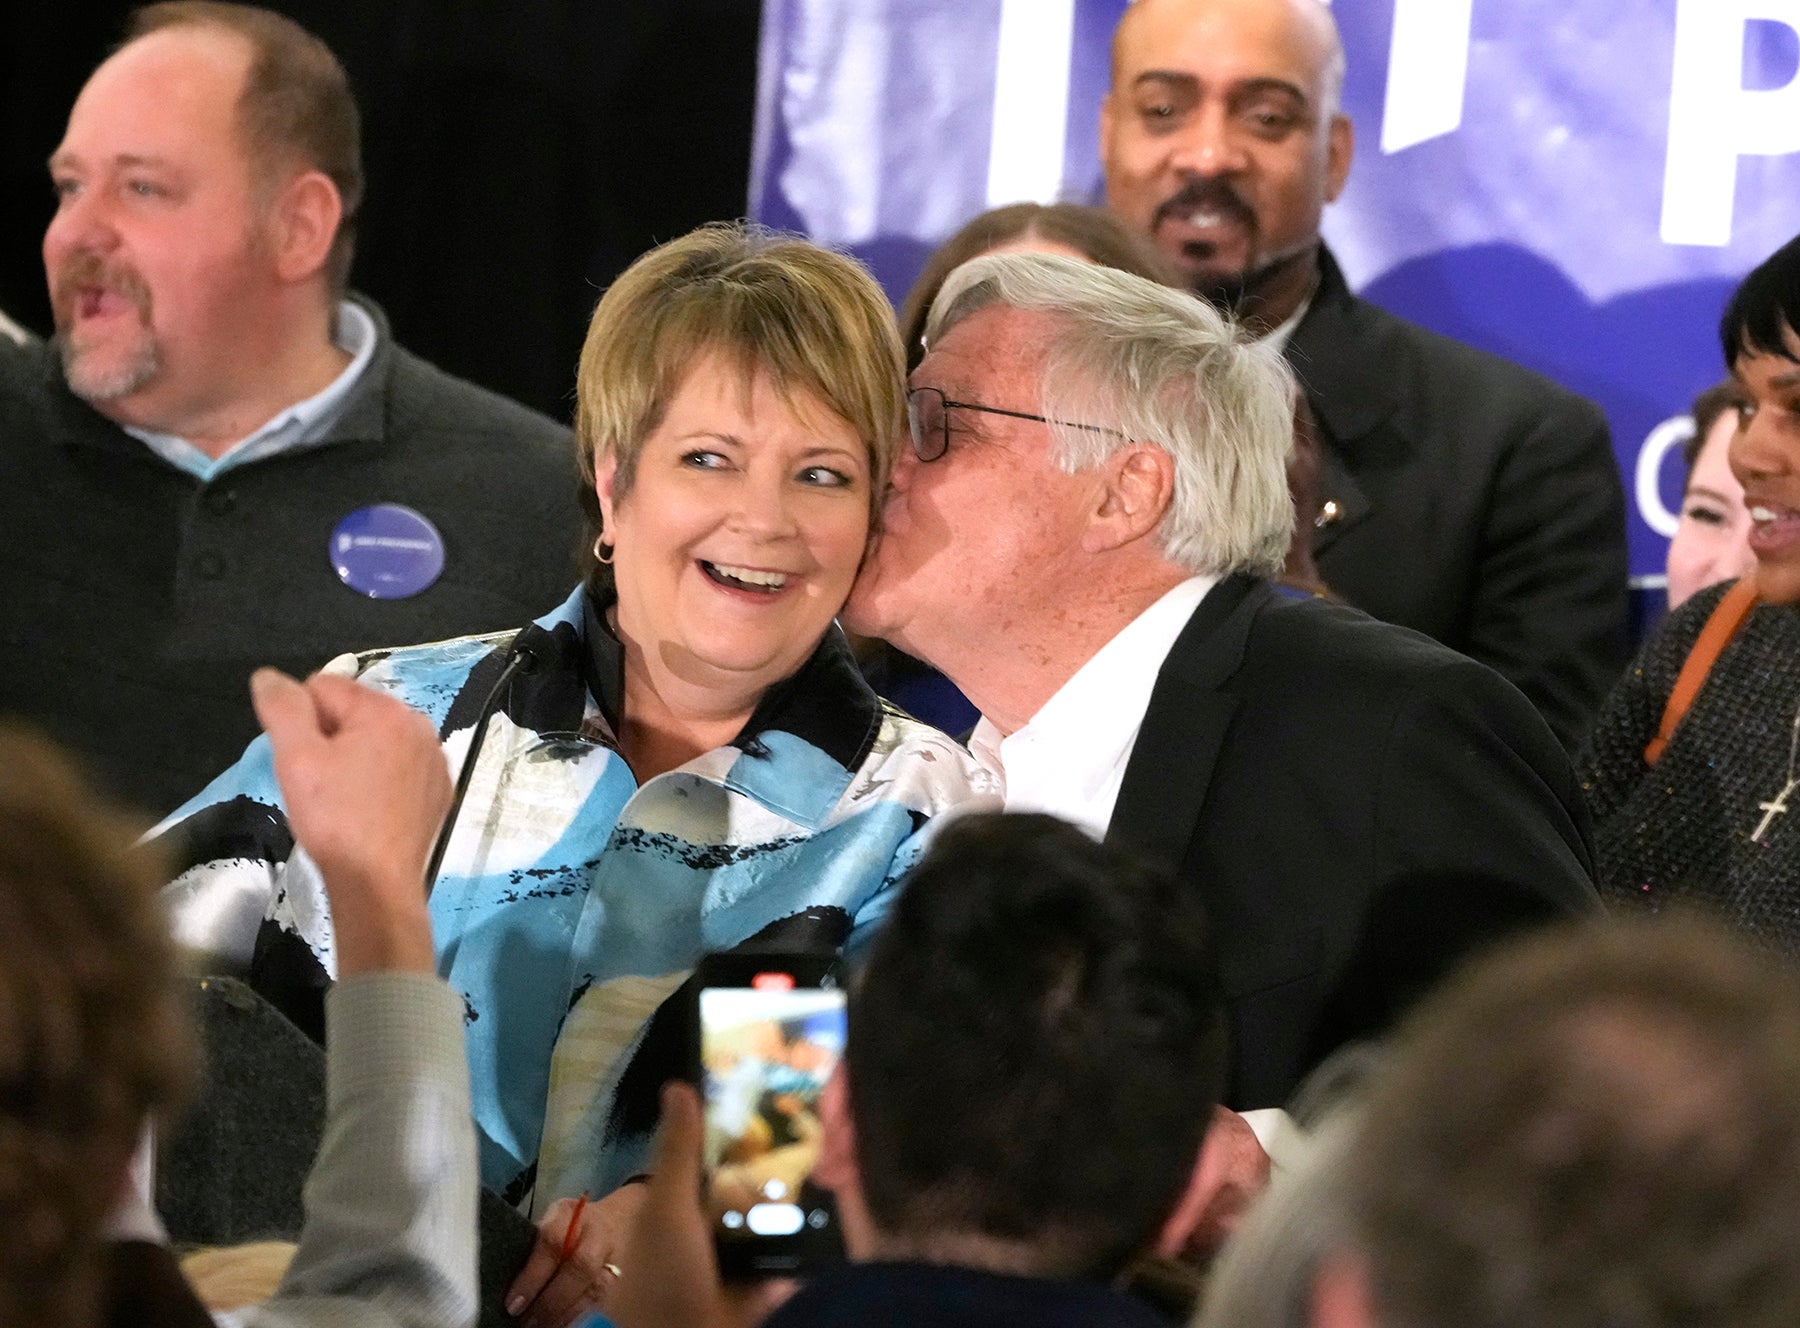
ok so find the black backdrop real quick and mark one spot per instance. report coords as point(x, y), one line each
point(520, 153)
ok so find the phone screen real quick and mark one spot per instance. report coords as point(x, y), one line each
point(767, 1049)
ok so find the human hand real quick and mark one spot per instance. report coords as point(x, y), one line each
point(1231, 1171)
point(366, 789)
point(570, 1273)
point(671, 1273)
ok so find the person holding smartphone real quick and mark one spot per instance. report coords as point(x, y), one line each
point(681, 759)
point(1036, 1049)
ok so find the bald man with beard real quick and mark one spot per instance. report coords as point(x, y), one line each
point(1462, 495)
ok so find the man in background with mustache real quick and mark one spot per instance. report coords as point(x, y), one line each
point(222, 460)
point(1464, 496)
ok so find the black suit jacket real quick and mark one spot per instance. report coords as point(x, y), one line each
point(1475, 501)
point(1361, 809)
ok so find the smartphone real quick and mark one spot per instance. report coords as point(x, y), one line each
point(771, 1033)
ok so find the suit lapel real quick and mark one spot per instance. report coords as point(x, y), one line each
point(1347, 388)
point(1190, 709)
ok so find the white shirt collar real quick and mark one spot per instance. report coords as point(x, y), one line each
point(1069, 760)
point(304, 424)
point(1277, 338)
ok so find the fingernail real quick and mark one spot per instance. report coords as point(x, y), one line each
point(514, 1305)
point(267, 679)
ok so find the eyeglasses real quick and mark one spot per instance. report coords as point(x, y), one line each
point(928, 417)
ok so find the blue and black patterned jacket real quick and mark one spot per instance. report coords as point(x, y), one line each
point(573, 903)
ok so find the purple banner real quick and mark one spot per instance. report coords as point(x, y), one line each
point(1566, 183)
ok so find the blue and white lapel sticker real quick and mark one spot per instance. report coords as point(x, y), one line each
point(387, 551)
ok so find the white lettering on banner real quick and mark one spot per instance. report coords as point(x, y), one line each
point(388, 542)
point(1031, 101)
point(1714, 119)
point(1658, 443)
point(1428, 69)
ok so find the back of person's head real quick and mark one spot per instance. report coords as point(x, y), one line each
point(296, 111)
point(1597, 1128)
point(1092, 232)
point(1763, 314)
point(93, 1033)
point(1036, 1046)
point(1150, 364)
point(816, 322)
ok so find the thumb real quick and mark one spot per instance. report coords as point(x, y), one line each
point(284, 708)
point(680, 1142)
point(338, 700)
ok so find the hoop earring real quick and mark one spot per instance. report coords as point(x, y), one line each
point(604, 559)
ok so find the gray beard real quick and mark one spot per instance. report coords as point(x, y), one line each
point(94, 386)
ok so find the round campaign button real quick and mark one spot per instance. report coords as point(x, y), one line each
point(387, 551)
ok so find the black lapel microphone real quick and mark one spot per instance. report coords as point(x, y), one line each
point(531, 650)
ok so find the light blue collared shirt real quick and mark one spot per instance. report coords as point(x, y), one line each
point(302, 425)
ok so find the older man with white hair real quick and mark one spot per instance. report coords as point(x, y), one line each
point(1081, 539)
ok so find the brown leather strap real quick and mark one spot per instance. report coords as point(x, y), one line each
point(1721, 625)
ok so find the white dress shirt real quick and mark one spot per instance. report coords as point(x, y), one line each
point(1069, 760)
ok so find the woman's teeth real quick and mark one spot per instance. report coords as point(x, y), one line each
point(749, 578)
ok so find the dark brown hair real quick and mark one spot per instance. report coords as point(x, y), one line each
point(296, 106)
point(1707, 408)
point(94, 1035)
point(1091, 231)
point(1063, 995)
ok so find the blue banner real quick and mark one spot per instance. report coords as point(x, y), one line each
point(1573, 184)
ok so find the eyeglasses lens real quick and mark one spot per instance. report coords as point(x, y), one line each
point(925, 415)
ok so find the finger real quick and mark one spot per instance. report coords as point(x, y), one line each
point(680, 1142)
point(573, 1290)
point(285, 710)
point(546, 1254)
point(341, 701)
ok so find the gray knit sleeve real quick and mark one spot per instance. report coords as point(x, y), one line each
point(389, 1237)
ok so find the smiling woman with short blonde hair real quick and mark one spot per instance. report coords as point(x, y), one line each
point(681, 759)
point(810, 320)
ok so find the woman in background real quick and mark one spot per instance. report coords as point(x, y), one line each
point(1069, 229)
point(1712, 540)
point(1693, 768)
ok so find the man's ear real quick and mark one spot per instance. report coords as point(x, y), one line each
point(1140, 484)
point(1340, 148)
point(1340, 1295)
point(303, 222)
point(836, 1167)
